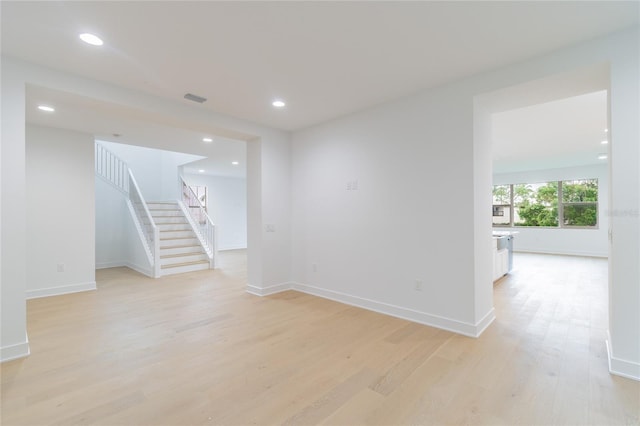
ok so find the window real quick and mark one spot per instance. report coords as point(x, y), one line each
point(580, 202)
point(502, 205)
point(572, 203)
point(536, 204)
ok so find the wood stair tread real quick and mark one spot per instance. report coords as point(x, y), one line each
point(180, 246)
point(176, 265)
point(169, 256)
point(177, 238)
point(167, 214)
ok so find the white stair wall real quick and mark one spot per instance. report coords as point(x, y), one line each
point(180, 250)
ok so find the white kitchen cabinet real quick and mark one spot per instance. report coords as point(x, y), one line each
point(500, 263)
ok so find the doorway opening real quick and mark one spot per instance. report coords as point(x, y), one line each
point(548, 143)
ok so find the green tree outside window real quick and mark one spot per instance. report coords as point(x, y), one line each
point(571, 203)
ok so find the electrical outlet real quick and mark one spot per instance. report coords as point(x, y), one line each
point(60, 267)
point(418, 285)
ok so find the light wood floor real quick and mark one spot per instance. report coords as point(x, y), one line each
point(196, 349)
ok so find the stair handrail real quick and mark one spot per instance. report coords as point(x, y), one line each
point(116, 172)
point(150, 230)
point(204, 226)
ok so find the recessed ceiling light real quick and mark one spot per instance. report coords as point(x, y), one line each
point(207, 140)
point(46, 108)
point(278, 103)
point(602, 157)
point(235, 163)
point(606, 130)
point(604, 142)
point(201, 171)
point(91, 39)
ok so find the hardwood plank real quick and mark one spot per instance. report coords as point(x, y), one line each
point(397, 374)
point(197, 349)
point(353, 412)
point(330, 402)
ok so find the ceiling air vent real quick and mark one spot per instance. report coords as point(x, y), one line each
point(195, 98)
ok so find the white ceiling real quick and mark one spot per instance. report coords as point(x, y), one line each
point(562, 133)
point(119, 124)
point(326, 59)
point(221, 164)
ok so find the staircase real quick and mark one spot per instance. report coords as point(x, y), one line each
point(180, 250)
point(175, 237)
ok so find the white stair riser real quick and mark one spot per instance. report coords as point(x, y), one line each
point(181, 250)
point(161, 206)
point(176, 234)
point(169, 219)
point(183, 259)
point(176, 237)
point(178, 242)
point(173, 227)
point(182, 269)
point(165, 213)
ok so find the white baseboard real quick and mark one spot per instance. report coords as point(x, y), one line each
point(11, 352)
point(144, 270)
point(466, 329)
point(114, 264)
point(57, 291)
point(232, 248)
point(622, 367)
point(266, 291)
point(485, 322)
point(563, 253)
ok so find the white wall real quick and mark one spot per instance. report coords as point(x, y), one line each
point(582, 242)
point(155, 171)
point(624, 260)
point(412, 160)
point(110, 207)
point(118, 242)
point(14, 342)
point(59, 211)
point(268, 183)
point(411, 157)
point(227, 207)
